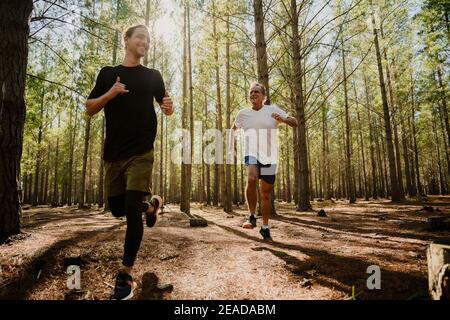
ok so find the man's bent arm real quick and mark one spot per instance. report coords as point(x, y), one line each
point(290, 121)
point(93, 106)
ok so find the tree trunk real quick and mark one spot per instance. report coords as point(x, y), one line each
point(348, 144)
point(371, 138)
point(219, 175)
point(173, 195)
point(288, 169)
point(235, 178)
point(324, 159)
point(444, 101)
point(184, 205)
point(82, 191)
point(25, 189)
point(296, 160)
point(438, 154)
point(161, 159)
point(403, 138)
point(262, 68)
point(101, 170)
point(312, 191)
point(203, 178)
point(208, 173)
point(37, 172)
point(416, 151)
point(344, 172)
point(90, 181)
point(447, 157)
point(70, 194)
point(394, 111)
point(146, 21)
point(242, 184)
point(46, 179)
point(316, 185)
point(191, 114)
point(14, 23)
point(339, 186)
point(382, 190)
point(64, 184)
point(41, 183)
point(409, 186)
point(443, 113)
point(303, 172)
point(261, 47)
point(384, 157)
point(363, 157)
point(398, 160)
point(55, 196)
point(228, 194)
point(412, 163)
point(166, 162)
point(395, 192)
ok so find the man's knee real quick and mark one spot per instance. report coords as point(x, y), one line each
point(252, 179)
point(133, 203)
point(133, 207)
point(118, 213)
point(265, 191)
point(117, 206)
point(265, 195)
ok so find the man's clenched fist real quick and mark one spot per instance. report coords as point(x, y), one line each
point(167, 104)
point(277, 117)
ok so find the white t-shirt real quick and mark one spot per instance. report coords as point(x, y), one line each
point(260, 132)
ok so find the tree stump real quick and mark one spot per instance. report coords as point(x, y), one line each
point(322, 213)
point(438, 257)
point(438, 223)
point(196, 221)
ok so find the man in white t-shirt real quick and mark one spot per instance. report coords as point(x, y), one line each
point(260, 123)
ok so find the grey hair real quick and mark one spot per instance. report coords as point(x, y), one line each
point(259, 85)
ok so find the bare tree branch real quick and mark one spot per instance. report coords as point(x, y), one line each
point(55, 83)
point(56, 53)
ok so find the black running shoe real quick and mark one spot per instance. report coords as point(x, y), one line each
point(266, 234)
point(124, 287)
point(151, 217)
point(250, 223)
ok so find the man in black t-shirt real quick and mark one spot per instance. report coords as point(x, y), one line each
point(126, 93)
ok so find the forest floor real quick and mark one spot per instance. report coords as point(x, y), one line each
point(311, 257)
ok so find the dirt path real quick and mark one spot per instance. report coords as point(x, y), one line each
point(312, 257)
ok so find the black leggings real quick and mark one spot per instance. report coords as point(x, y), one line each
point(130, 204)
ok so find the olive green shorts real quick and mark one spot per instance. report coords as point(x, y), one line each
point(134, 173)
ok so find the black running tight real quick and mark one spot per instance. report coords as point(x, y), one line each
point(130, 204)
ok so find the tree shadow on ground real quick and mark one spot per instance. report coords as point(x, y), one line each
point(345, 271)
point(39, 268)
point(40, 218)
point(412, 230)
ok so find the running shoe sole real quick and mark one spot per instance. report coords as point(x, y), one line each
point(247, 225)
point(151, 218)
point(128, 297)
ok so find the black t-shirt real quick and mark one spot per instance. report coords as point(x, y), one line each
point(131, 120)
